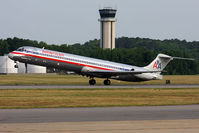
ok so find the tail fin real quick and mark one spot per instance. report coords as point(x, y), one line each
point(159, 63)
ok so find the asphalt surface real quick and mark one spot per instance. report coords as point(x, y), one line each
point(95, 86)
point(99, 114)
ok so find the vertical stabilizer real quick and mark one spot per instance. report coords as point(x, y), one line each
point(159, 63)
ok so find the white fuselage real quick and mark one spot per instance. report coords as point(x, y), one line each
point(78, 64)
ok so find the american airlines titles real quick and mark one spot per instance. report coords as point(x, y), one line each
point(52, 53)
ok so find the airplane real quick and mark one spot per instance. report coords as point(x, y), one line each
point(92, 67)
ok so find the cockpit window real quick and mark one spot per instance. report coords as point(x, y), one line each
point(21, 49)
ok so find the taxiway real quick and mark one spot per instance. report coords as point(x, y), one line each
point(95, 86)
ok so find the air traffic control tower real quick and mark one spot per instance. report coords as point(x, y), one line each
point(107, 28)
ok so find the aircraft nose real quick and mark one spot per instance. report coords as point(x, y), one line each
point(10, 55)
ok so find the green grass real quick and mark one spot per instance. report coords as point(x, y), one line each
point(50, 98)
point(53, 98)
point(52, 79)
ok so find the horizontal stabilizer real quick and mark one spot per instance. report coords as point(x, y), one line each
point(180, 58)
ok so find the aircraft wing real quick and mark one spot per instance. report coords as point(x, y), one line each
point(107, 74)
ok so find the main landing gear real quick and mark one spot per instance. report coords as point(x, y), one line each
point(93, 82)
point(107, 82)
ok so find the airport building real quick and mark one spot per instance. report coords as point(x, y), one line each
point(30, 68)
point(107, 28)
point(7, 66)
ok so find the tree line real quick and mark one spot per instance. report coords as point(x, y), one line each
point(132, 51)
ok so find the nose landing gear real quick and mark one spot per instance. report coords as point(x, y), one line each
point(16, 65)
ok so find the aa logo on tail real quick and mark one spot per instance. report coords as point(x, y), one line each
point(157, 65)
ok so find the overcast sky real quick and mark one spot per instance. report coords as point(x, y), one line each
point(76, 21)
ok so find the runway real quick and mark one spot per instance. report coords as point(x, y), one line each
point(153, 119)
point(99, 114)
point(95, 86)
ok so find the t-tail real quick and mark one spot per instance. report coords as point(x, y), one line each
point(161, 62)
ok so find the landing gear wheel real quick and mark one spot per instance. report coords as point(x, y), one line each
point(16, 66)
point(92, 82)
point(107, 82)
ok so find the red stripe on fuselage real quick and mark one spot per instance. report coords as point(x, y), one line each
point(69, 62)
